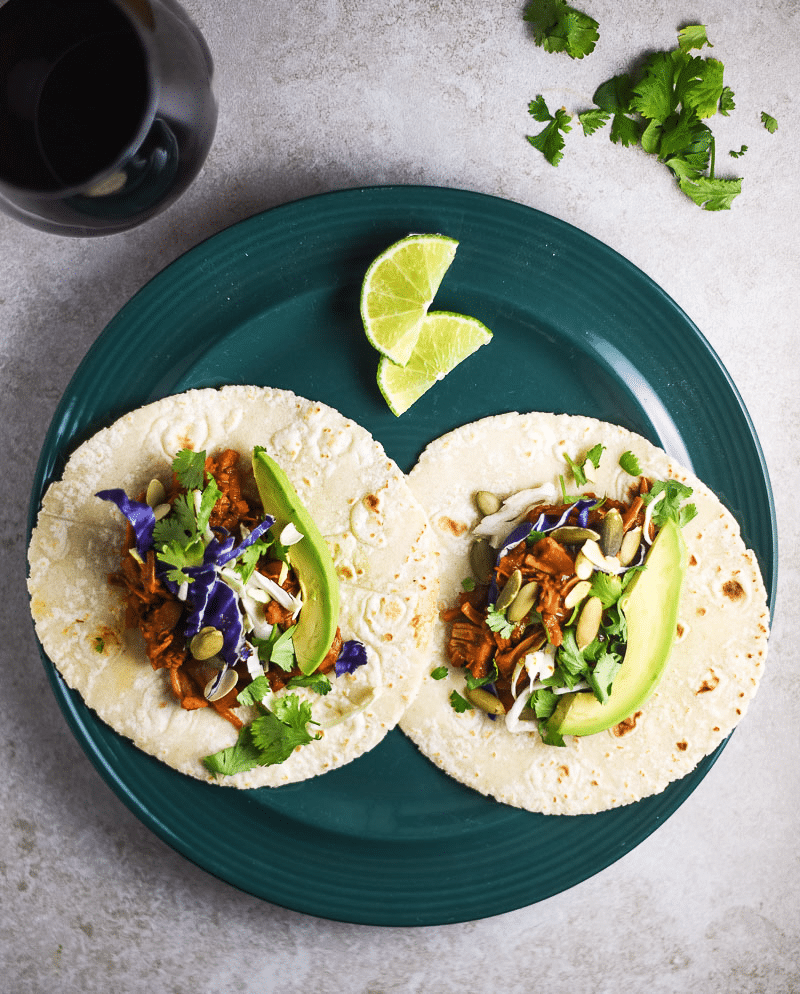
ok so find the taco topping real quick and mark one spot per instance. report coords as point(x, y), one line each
point(214, 593)
point(542, 615)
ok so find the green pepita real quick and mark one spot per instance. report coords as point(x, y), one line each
point(156, 494)
point(583, 566)
point(510, 590)
point(207, 643)
point(577, 594)
point(226, 684)
point(611, 533)
point(573, 534)
point(484, 700)
point(481, 559)
point(487, 503)
point(589, 622)
point(523, 603)
point(630, 545)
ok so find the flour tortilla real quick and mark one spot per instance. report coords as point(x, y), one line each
point(713, 671)
point(377, 532)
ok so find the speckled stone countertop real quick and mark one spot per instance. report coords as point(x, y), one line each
point(337, 94)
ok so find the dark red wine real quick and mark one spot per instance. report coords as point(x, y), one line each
point(106, 111)
point(92, 106)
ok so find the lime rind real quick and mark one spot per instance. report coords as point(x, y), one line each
point(399, 287)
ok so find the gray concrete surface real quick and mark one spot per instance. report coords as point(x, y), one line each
point(317, 96)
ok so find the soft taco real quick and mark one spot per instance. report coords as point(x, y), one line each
point(602, 625)
point(239, 581)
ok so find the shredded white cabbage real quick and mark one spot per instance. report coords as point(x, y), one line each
point(496, 526)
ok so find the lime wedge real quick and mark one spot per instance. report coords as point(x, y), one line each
point(444, 341)
point(398, 289)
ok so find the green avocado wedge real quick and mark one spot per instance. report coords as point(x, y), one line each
point(311, 559)
point(650, 605)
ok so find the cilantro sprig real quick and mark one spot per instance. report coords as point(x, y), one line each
point(550, 140)
point(557, 27)
point(271, 737)
point(662, 107)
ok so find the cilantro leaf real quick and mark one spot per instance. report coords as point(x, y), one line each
point(593, 120)
point(558, 27)
point(189, 467)
point(726, 101)
point(277, 649)
point(238, 758)
point(497, 621)
point(543, 702)
point(712, 194)
point(669, 506)
point(693, 36)
point(570, 658)
point(577, 471)
point(739, 154)
point(280, 731)
point(439, 673)
point(630, 464)
point(248, 560)
point(601, 676)
point(607, 587)
point(254, 692)
point(317, 682)
point(769, 122)
point(458, 703)
point(550, 140)
point(594, 454)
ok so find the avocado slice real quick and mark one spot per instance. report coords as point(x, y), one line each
point(650, 605)
point(311, 559)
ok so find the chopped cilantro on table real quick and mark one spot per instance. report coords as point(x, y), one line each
point(663, 107)
point(769, 122)
point(550, 140)
point(558, 27)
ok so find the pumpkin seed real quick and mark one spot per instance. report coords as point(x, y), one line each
point(523, 602)
point(576, 595)
point(630, 545)
point(487, 503)
point(583, 566)
point(206, 643)
point(589, 622)
point(481, 559)
point(611, 533)
point(572, 534)
point(227, 681)
point(156, 494)
point(161, 511)
point(485, 700)
point(510, 590)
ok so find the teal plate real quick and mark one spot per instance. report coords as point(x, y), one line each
point(389, 839)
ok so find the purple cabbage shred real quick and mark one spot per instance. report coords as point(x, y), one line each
point(140, 516)
point(353, 654)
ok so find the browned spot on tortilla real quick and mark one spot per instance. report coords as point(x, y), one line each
point(564, 771)
point(692, 561)
point(387, 637)
point(454, 527)
point(595, 783)
point(733, 590)
point(345, 573)
point(683, 746)
point(372, 502)
point(710, 684)
point(626, 726)
point(680, 630)
point(701, 611)
point(186, 443)
point(393, 611)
